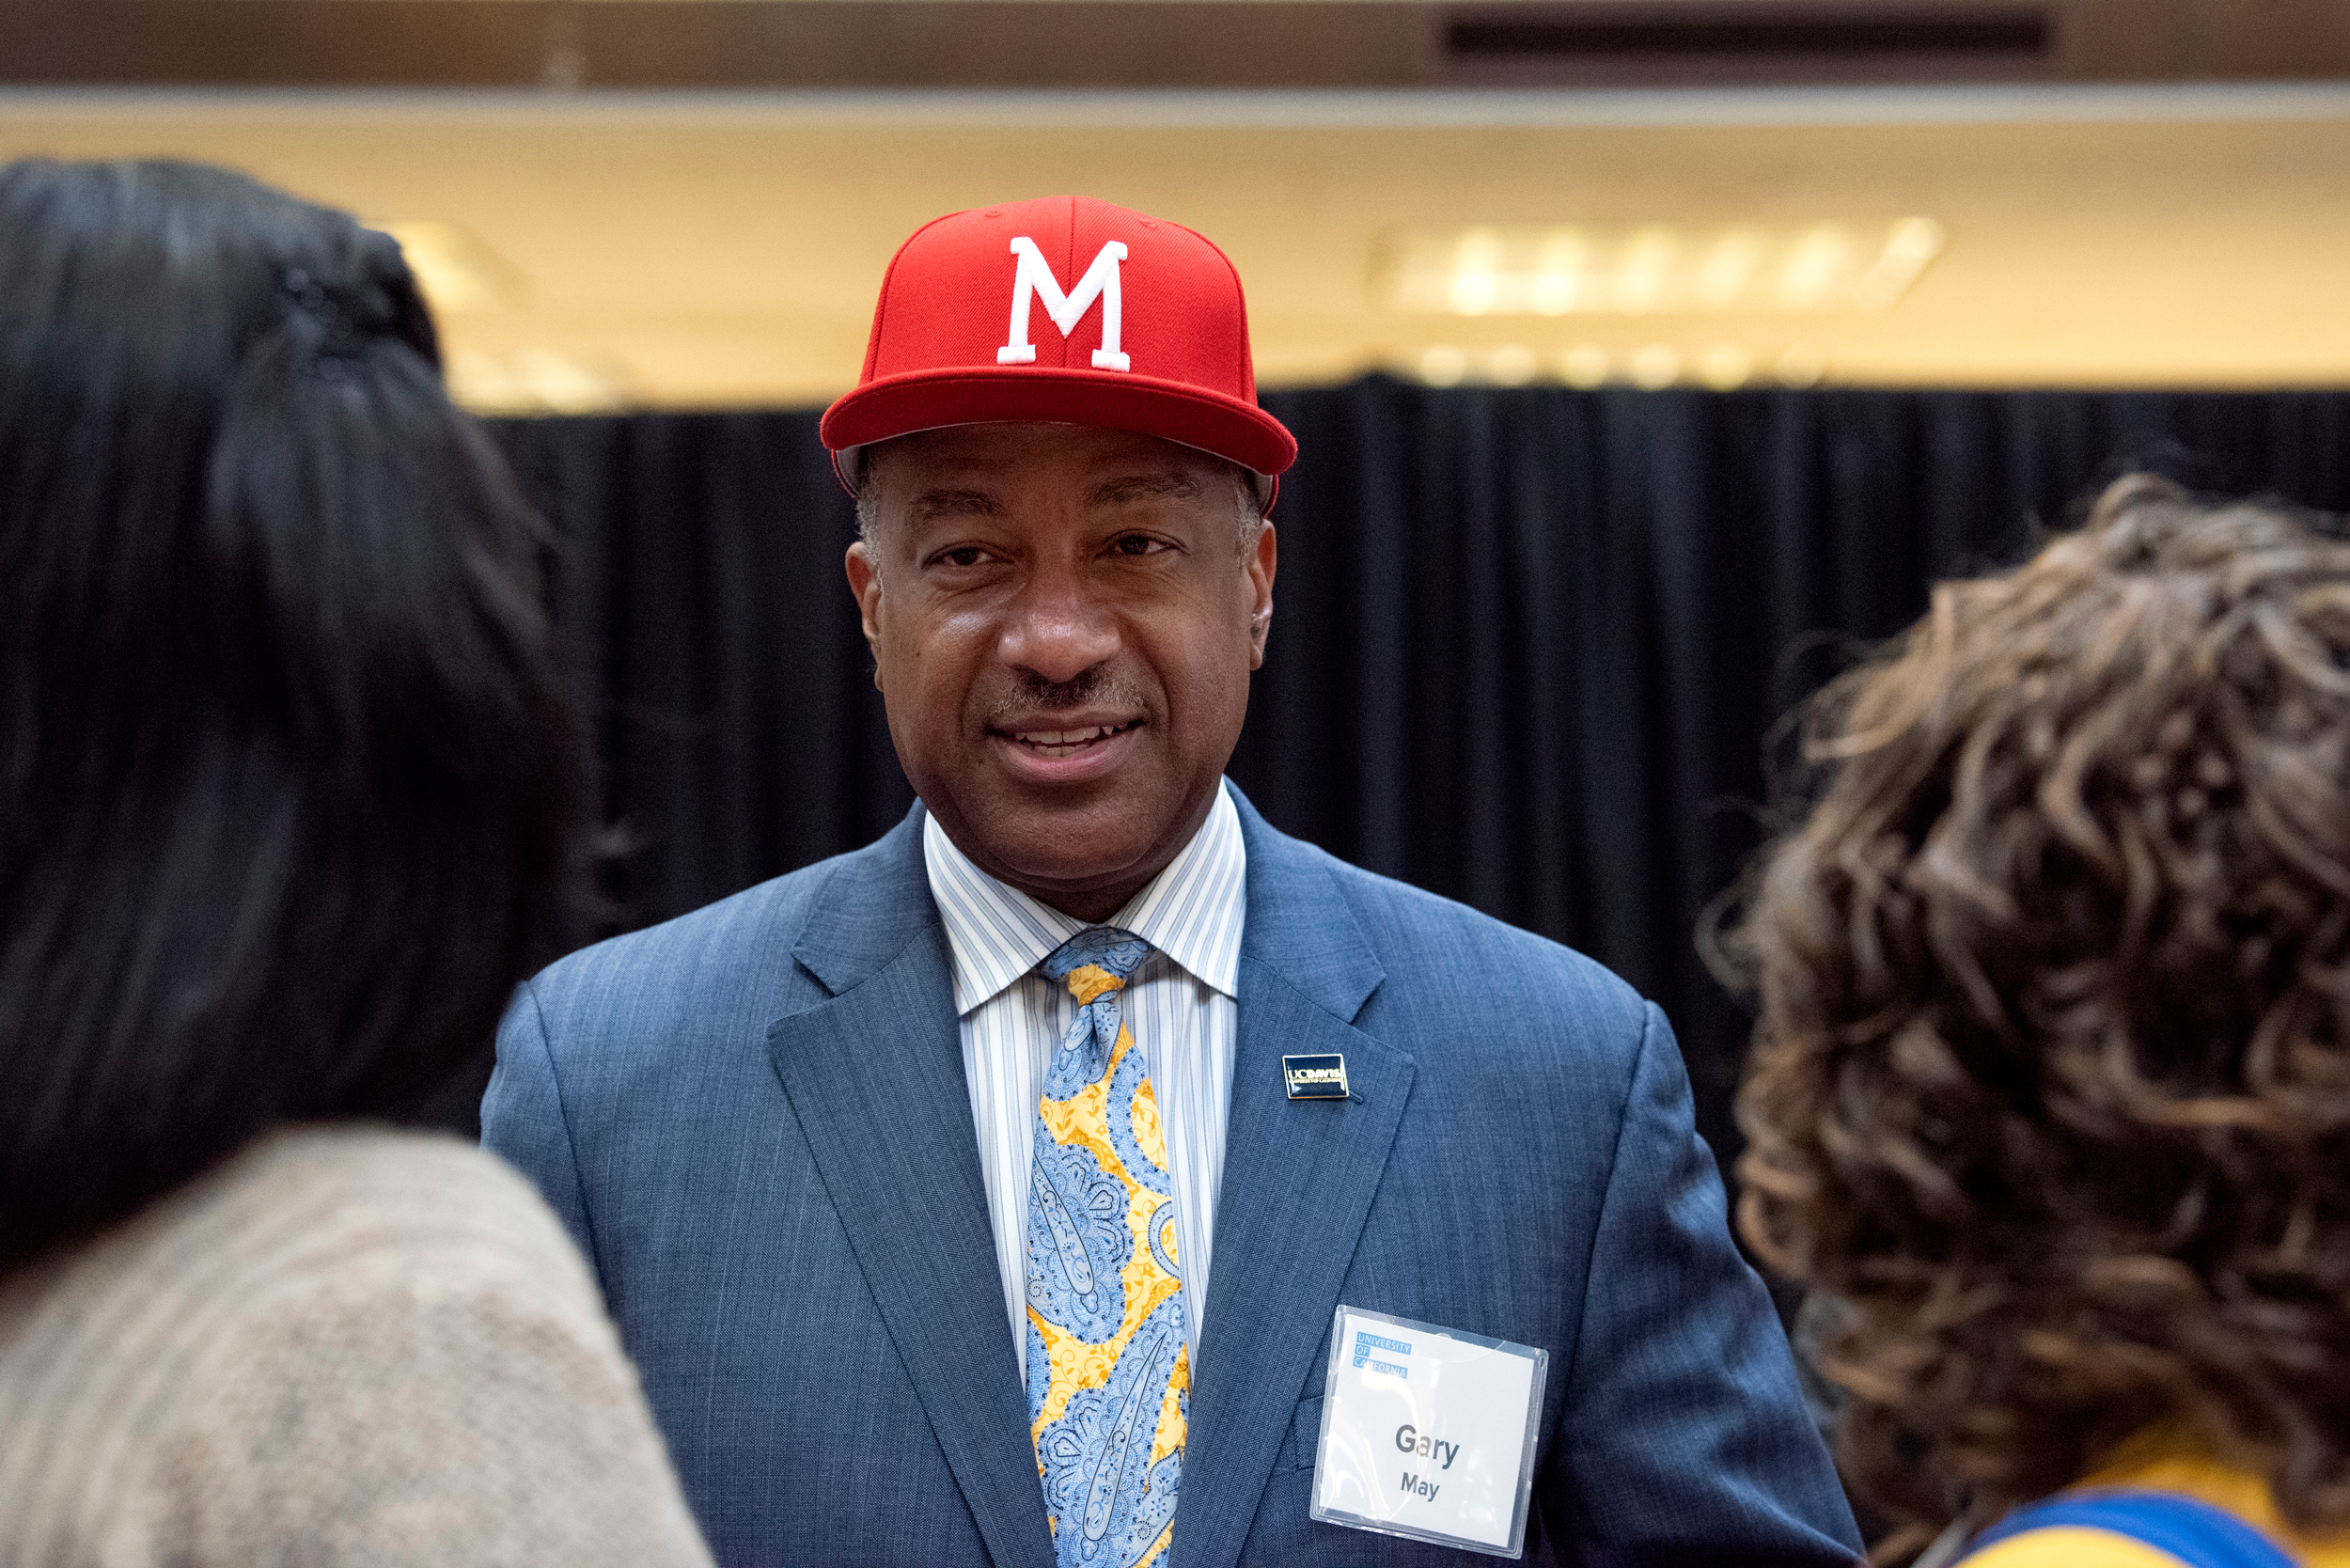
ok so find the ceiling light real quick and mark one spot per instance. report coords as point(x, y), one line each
point(1476, 257)
point(1560, 266)
point(1646, 272)
point(1725, 366)
point(1813, 266)
point(453, 268)
point(1726, 267)
point(534, 380)
point(1656, 367)
point(1653, 268)
point(1800, 367)
point(1513, 365)
point(1443, 366)
point(1585, 366)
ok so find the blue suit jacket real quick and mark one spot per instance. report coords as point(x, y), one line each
point(754, 1121)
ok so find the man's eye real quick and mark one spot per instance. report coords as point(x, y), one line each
point(1135, 544)
point(967, 555)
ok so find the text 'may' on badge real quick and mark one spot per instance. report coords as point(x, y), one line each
point(1428, 1433)
point(1315, 1077)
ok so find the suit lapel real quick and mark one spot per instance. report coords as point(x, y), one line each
point(1298, 1180)
point(875, 1077)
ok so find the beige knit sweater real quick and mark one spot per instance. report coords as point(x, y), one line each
point(346, 1346)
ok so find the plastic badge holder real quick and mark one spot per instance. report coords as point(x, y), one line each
point(1413, 1414)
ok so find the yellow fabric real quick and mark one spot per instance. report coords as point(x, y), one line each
point(1083, 1120)
point(2161, 1461)
point(1089, 980)
point(2070, 1546)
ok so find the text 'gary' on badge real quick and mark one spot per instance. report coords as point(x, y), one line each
point(1428, 1434)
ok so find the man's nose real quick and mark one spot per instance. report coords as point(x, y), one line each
point(1056, 632)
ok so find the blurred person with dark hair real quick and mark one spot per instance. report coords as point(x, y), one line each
point(2051, 1090)
point(290, 800)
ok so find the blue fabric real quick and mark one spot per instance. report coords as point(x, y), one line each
point(1109, 1504)
point(2193, 1531)
point(775, 1177)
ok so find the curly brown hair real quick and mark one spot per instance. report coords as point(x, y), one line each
point(2051, 1082)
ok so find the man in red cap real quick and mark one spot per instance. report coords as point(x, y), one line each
point(994, 1193)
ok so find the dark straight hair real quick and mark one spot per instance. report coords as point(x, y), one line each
point(290, 793)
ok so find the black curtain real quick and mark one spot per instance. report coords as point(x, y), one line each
point(1526, 649)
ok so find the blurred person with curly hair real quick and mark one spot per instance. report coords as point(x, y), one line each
point(2051, 1086)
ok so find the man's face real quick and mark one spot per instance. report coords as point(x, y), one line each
point(1063, 624)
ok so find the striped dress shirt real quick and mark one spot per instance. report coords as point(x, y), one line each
point(1183, 1004)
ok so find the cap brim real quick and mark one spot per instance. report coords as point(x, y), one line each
point(926, 400)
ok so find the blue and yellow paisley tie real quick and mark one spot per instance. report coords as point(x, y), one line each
point(1109, 1376)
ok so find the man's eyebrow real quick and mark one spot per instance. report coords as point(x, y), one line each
point(1144, 487)
point(957, 503)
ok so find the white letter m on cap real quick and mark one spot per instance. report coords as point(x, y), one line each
point(1035, 280)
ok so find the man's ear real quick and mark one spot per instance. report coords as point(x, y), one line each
point(865, 583)
point(1261, 561)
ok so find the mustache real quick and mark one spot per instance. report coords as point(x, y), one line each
point(1094, 687)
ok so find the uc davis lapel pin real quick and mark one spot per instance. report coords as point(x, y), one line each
point(1315, 1077)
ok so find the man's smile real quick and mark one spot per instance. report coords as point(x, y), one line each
point(1061, 737)
point(1064, 747)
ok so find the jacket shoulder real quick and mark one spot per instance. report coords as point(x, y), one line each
point(1516, 1039)
point(1438, 953)
point(738, 946)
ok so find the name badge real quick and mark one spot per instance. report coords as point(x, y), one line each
point(1428, 1434)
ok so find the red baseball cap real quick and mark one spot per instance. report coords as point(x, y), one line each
point(1064, 310)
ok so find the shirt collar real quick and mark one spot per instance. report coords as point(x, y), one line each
point(1191, 911)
